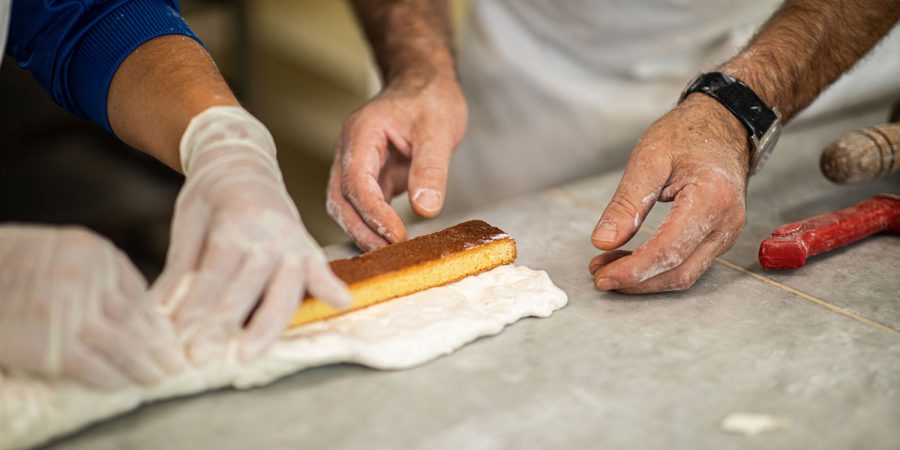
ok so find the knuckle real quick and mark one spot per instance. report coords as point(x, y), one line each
point(429, 170)
point(622, 206)
point(740, 218)
point(224, 240)
point(334, 177)
point(735, 204)
point(349, 183)
point(92, 331)
point(80, 236)
point(732, 222)
point(670, 258)
point(338, 147)
point(685, 280)
point(723, 203)
point(114, 309)
point(332, 206)
point(351, 121)
point(719, 237)
point(123, 260)
point(723, 240)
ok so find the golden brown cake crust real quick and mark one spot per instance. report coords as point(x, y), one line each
point(422, 263)
point(416, 251)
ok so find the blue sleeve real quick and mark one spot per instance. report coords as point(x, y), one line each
point(74, 47)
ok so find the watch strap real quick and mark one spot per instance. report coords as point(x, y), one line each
point(738, 98)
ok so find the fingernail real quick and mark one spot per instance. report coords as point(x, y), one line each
point(347, 301)
point(606, 284)
point(427, 199)
point(342, 300)
point(605, 231)
point(593, 266)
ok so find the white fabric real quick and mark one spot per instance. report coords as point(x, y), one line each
point(398, 334)
point(4, 26)
point(562, 90)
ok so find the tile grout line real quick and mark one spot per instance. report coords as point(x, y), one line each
point(833, 308)
point(809, 297)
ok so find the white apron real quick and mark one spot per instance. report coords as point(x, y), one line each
point(561, 90)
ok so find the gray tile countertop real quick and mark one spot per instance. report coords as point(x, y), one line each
point(818, 347)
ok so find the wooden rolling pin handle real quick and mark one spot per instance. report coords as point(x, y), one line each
point(790, 245)
point(863, 155)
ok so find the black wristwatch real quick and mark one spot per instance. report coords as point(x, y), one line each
point(763, 123)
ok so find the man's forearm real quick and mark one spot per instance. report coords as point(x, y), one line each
point(156, 91)
point(807, 45)
point(411, 40)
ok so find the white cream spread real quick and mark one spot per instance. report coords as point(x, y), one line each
point(437, 322)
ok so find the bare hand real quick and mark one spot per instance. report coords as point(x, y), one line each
point(697, 155)
point(399, 141)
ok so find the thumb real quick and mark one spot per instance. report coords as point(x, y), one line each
point(188, 233)
point(428, 169)
point(639, 189)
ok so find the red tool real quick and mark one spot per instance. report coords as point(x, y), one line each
point(790, 245)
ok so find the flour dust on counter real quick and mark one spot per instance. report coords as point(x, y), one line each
point(398, 334)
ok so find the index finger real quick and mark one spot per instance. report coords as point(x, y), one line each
point(363, 156)
point(346, 217)
point(643, 180)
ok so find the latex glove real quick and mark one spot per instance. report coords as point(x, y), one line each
point(399, 141)
point(697, 155)
point(237, 241)
point(73, 305)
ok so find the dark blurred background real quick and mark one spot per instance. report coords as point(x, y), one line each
point(301, 66)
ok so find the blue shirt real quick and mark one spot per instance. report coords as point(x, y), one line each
point(74, 47)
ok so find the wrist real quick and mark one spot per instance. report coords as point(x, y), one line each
point(438, 67)
point(720, 121)
point(232, 125)
point(744, 69)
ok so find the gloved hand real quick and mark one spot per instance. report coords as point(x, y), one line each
point(400, 140)
point(237, 240)
point(73, 305)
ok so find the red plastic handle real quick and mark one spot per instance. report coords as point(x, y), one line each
point(790, 245)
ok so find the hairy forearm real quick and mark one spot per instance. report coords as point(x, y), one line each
point(158, 89)
point(411, 39)
point(807, 45)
